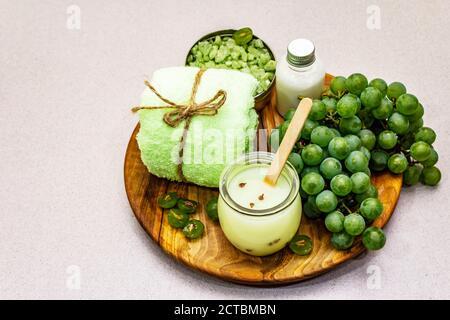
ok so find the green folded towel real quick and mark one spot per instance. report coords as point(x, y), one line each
point(212, 141)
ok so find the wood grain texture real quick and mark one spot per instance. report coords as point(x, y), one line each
point(213, 254)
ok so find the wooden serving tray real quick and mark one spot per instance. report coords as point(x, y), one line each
point(212, 253)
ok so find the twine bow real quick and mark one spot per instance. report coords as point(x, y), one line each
point(185, 112)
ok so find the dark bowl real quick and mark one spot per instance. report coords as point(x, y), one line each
point(261, 99)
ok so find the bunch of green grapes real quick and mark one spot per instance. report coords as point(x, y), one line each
point(355, 129)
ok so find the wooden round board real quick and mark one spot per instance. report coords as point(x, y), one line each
point(212, 253)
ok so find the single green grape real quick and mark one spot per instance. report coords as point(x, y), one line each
point(303, 194)
point(301, 245)
point(350, 125)
point(387, 139)
point(326, 201)
point(384, 110)
point(308, 128)
point(186, 205)
point(274, 139)
point(365, 151)
point(425, 134)
point(243, 36)
point(297, 162)
point(307, 170)
point(397, 163)
point(321, 136)
point(431, 160)
point(318, 110)
point(407, 141)
point(313, 183)
point(177, 218)
point(356, 83)
point(395, 90)
point(335, 132)
point(420, 151)
point(310, 208)
point(360, 182)
point(358, 101)
point(337, 86)
point(168, 201)
point(372, 192)
point(353, 141)
point(415, 125)
point(407, 104)
point(398, 123)
point(368, 172)
point(356, 162)
point(371, 208)
point(366, 118)
point(330, 167)
point(378, 160)
point(368, 138)
point(283, 129)
point(312, 154)
point(418, 114)
point(354, 224)
point(373, 238)
point(193, 229)
point(211, 209)
point(341, 240)
point(347, 106)
point(339, 148)
point(411, 176)
point(431, 176)
point(289, 114)
point(334, 221)
point(371, 98)
point(380, 84)
point(330, 104)
point(341, 185)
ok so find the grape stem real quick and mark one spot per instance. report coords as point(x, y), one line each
point(341, 93)
point(327, 93)
point(346, 208)
point(330, 119)
point(383, 124)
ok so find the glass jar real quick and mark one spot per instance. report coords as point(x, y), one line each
point(257, 218)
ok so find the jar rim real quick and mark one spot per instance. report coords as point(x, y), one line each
point(259, 157)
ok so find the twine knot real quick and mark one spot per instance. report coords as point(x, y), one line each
point(185, 112)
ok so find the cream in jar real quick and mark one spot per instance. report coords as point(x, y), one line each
point(258, 218)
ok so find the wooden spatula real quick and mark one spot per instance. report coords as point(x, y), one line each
point(289, 139)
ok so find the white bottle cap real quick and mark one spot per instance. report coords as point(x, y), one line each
point(301, 53)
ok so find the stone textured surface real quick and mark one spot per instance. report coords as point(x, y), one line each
point(65, 122)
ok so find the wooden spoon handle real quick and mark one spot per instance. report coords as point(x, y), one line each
point(289, 140)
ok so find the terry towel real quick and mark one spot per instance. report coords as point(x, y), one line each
point(211, 142)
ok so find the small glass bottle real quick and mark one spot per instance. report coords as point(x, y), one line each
point(299, 73)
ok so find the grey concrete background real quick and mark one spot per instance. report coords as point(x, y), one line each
point(65, 121)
